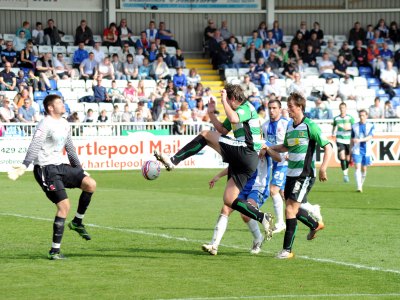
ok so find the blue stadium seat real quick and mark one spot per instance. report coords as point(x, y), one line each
point(364, 70)
point(376, 88)
point(39, 96)
point(55, 92)
point(397, 91)
point(41, 107)
point(395, 102)
point(373, 82)
point(53, 85)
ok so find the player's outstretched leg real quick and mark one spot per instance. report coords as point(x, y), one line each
point(309, 221)
point(193, 147)
point(258, 238)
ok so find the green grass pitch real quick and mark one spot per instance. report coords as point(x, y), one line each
point(147, 236)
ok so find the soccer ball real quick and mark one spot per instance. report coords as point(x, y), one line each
point(151, 170)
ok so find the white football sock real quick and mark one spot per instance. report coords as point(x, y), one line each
point(278, 208)
point(357, 175)
point(219, 230)
point(363, 176)
point(307, 206)
point(254, 229)
point(346, 172)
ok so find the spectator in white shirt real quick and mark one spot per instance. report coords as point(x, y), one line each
point(347, 90)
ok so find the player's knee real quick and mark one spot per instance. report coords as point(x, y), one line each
point(245, 219)
point(89, 184)
point(63, 208)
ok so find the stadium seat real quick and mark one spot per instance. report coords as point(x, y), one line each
point(121, 84)
point(104, 49)
point(97, 38)
point(8, 37)
point(397, 91)
point(311, 72)
point(78, 84)
point(147, 83)
point(64, 83)
point(287, 39)
point(69, 95)
point(327, 37)
point(245, 38)
point(232, 79)
point(339, 39)
point(171, 51)
point(55, 92)
point(107, 106)
point(45, 49)
point(353, 71)
point(93, 106)
point(114, 49)
point(39, 96)
point(364, 71)
point(373, 82)
point(89, 49)
point(134, 38)
point(230, 72)
point(106, 83)
point(360, 81)
point(59, 49)
point(53, 85)
point(67, 38)
point(239, 38)
point(71, 50)
point(242, 71)
point(89, 85)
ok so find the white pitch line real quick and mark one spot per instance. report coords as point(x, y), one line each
point(287, 296)
point(183, 239)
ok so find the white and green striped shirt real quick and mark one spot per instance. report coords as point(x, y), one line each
point(302, 140)
point(248, 129)
point(343, 135)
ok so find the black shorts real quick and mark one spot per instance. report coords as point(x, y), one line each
point(242, 160)
point(343, 147)
point(297, 188)
point(53, 179)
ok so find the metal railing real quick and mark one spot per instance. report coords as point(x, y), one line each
point(11, 130)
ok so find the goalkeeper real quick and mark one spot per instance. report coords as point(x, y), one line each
point(45, 151)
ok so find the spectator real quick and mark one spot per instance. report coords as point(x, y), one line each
point(110, 36)
point(88, 67)
point(152, 31)
point(386, 53)
point(7, 114)
point(62, 69)
point(332, 51)
point(8, 81)
point(83, 34)
point(346, 52)
point(356, 33)
point(19, 42)
point(141, 90)
point(271, 40)
point(53, 35)
point(127, 115)
point(26, 113)
point(38, 34)
point(179, 79)
point(166, 36)
point(26, 29)
point(130, 68)
point(118, 68)
point(20, 99)
point(224, 57)
point(46, 71)
point(310, 56)
point(375, 110)
point(32, 82)
point(389, 79)
point(300, 41)
point(225, 33)
point(194, 78)
point(178, 60)
point(326, 67)
point(102, 118)
point(160, 69)
point(152, 53)
point(304, 31)
point(105, 69)
point(255, 98)
point(297, 86)
point(295, 53)
point(167, 58)
point(377, 65)
point(144, 111)
point(277, 32)
point(124, 33)
point(289, 70)
point(21, 81)
point(282, 56)
point(143, 42)
point(116, 115)
point(9, 55)
point(100, 92)
point(330, 90)
point(256, 40)
point(340, 66)
point(266, 75)
point(318, 31)
point(262, 30)
point(144, 70)
point(360, 55)
point(123, 53)
point(130, 93)
point(171, 89)
point(80, 55)
point(320, 111)
point(209, 30)
point(73, 118)
point(383, 29)
point(388, 111)
point(115, 94)
point(372, 52)
point(232, 43)
point(394, 33)
point(27, 56)
point(99, 55)
point(266, 51)
point(347, 89)
point(139, 57)
point(369, 35)
point(397, 58)
point(273, 88)
point(252, 54)
point(238, 58)
point(89, 117)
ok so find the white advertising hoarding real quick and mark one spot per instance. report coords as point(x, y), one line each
point(192, 4)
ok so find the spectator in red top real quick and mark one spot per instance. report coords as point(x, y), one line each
point(110, 36)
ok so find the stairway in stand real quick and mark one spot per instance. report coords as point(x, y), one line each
point(209, 78)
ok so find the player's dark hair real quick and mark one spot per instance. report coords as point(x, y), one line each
point(49, 101)
point(343, 104)
point(298, 100)
point(275, 101)
point(362, 111)
point(235, 91)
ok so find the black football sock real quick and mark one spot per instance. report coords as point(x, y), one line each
point(343, 164)
point(84, 201)
point(191, 148)
point(290, 234)
point(247, 209)
point(304, 217)
point(58, 231)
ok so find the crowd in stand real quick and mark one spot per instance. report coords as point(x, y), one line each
point(179, 94)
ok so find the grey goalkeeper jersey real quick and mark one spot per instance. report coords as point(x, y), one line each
point(52, 136)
